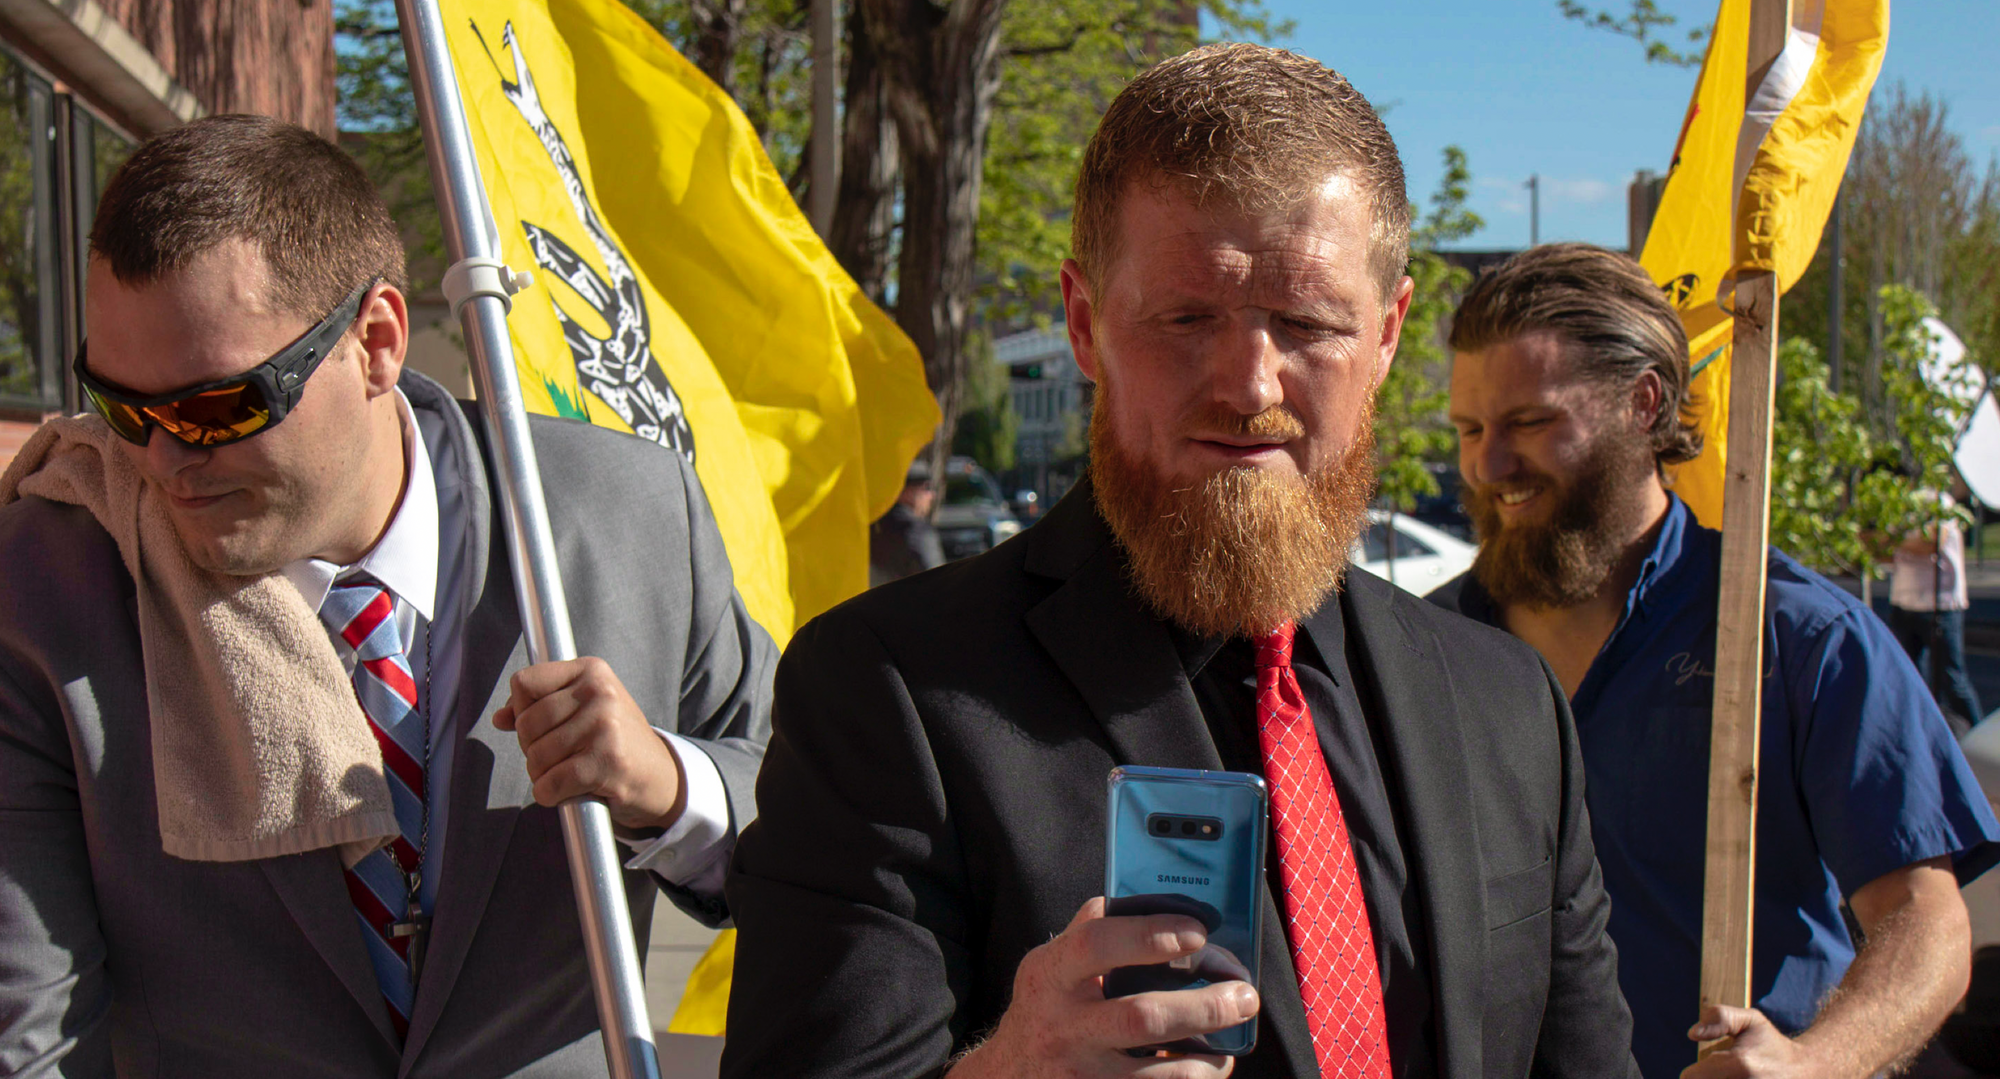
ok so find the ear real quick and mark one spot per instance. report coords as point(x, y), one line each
point(383, 328)
point(1393, 314)
point(1648, 397)
point(1077, 308)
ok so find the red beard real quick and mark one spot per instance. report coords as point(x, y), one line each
point(1242, 551)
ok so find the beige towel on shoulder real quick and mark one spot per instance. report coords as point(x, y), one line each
point(259, 747)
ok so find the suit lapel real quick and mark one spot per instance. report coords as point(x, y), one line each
point(1440, 834)
point(1115, 652)
point(314, 890)
point(1123, 663)
point(489, 781)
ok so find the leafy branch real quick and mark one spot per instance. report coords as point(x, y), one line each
point(1646, 24)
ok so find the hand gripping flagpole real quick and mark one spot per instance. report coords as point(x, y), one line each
point(480, 288)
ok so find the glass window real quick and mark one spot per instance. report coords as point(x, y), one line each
point(108, 150)
point(55, 158)
point(29, 374)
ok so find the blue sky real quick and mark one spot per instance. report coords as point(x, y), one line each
point(1524, 91)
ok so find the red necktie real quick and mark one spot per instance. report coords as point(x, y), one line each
point(1333, 946)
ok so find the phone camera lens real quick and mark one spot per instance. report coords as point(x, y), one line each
point(1187, 827)
point(1162, 827)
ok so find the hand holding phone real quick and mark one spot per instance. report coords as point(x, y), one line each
point(1061, 1023)
point(1189, 843)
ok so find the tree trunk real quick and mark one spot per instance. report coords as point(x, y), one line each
point(941, 70)
point(864, 213)
point(718, 24)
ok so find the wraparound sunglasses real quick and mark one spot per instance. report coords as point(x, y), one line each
point(227, 410)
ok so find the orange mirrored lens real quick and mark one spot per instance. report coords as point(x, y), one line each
point(215, 417)
point(125, 421)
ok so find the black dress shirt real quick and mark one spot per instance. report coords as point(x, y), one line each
point(1224, 676)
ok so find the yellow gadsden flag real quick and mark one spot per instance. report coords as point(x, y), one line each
point(1752, 180)
point(680, 294)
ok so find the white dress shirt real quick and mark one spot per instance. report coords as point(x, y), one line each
point(426, 576)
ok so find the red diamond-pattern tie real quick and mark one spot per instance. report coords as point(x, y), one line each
point(1326, 921)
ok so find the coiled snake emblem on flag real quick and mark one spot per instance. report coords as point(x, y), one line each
point(618, 368)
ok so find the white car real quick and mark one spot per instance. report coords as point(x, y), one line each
point(1425, 556)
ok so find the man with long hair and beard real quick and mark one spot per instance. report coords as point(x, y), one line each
point(1569, 390)
point(921, 890)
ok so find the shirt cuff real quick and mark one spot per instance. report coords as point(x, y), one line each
point(694, 853)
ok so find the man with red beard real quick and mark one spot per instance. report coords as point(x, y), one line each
point(1569, 389)
point(921, 890)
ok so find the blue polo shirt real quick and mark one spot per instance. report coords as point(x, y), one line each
point(1860, 776)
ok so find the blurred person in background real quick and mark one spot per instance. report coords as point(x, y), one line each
point(903, 541)
point(1927, 603)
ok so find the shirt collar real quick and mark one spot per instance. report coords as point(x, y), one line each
point(405, 559)
point(1474, 602)
point(1197, 651)
point(1663, 558)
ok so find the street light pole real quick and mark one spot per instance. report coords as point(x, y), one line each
point(1534, 186)
point(480, 288)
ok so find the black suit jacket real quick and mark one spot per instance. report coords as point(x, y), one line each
point(933, 806)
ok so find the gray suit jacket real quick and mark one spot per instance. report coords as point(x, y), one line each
point(116, 958)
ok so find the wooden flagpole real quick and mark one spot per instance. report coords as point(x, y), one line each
point(1730, 886)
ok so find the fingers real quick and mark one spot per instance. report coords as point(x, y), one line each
point(582, 735)
point(1183, 1066)
point(1060, 1019)
point(1723, 1021)
point(1157, 1018)
point(546, 694)
point(541, 679)
point(1092, 946)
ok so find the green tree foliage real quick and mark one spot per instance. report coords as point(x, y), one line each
point(1064, 62)
point(768, 71)
point(1844, 490)
point(20, 307)
point(377, 117)
point(1410, 427)
point(988, 426)
point(1915, 211)
point(1646, 24)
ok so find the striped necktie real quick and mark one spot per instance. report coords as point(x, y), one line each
point(361, 613)
point(1326, 917)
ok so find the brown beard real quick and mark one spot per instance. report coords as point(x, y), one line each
point(1242, 551)
point(1563, 560)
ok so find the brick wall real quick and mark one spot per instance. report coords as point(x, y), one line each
point(13, 435)
point(272, 57)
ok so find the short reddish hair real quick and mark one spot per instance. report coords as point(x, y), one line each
point(1257, 126)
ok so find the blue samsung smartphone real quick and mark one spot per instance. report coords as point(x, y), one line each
point(1190, 842)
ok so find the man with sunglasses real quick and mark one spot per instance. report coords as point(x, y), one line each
point(246, 333)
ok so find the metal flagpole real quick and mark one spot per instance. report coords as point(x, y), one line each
point(480, 288)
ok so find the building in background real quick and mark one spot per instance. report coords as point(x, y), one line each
point(1642, 201)
point(81, 82)
point(1052, 399)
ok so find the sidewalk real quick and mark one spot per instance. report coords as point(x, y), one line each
point(678, 943)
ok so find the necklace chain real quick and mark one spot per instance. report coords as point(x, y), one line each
point(413, 878)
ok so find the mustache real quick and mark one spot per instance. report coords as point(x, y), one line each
point(1216, 418)
point(1488, 492)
